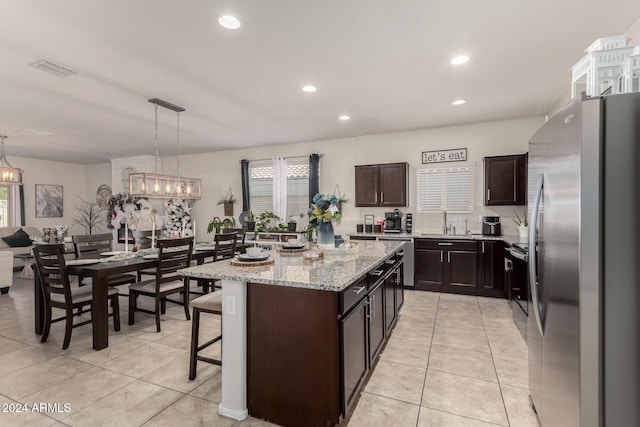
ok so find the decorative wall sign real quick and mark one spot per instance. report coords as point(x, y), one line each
point(49, 201)
point(455, 155)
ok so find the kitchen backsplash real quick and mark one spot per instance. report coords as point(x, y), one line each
point(433, 223)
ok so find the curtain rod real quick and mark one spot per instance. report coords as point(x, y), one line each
point(288, 157)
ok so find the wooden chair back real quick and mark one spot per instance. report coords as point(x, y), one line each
point(241, 233)
point(91, 245)
point(173, 255)
point(52, 271)
point(142, 238)
point(225, 245)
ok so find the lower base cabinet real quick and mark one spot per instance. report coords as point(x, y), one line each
point(355, 360)
point(460, 266)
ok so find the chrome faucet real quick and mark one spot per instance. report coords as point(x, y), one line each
point(445, 228)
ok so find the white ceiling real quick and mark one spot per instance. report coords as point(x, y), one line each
point(385, 63)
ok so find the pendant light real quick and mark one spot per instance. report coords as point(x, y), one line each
point(157, 186)
point(8, 174)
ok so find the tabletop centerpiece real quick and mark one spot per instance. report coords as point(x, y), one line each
point(323, 211)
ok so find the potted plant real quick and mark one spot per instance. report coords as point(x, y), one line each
point(267, 221)
point(228, 201)
point(523, 225)
point(292, 224)
point(251, 221)
point(217, 224)
point(323, 212)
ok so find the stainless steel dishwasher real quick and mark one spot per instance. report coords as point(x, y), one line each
point(409, 257)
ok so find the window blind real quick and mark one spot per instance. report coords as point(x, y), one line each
point(445, 189)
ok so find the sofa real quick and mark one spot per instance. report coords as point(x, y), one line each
point(8, 231)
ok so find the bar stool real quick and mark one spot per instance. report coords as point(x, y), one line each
point(208, 303)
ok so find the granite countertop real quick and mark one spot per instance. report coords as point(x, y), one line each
point(508, 239)
point(334, 272)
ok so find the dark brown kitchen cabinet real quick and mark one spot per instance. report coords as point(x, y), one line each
point(505, 180)
point(446, 265)
point(381, 185)
point(491, 264)
point(429, 274)
point(376, 322)
point(389, 302)
point(355, 361)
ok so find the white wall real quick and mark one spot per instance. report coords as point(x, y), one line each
point(71, 176)
point(221, 170)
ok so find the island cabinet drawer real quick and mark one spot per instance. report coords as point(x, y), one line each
point(445, 245)
point(352, 295)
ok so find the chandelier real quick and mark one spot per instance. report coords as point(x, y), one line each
point(158, 186)
point(8, 174)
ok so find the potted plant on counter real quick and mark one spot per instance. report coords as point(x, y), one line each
point(228, 201)
point(523, 225)
point(251, 221)
point(292, 224)
point(323, 212)
point(217, 224)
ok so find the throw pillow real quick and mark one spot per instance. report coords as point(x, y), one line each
point(19, 239)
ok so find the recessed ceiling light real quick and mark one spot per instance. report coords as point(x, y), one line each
point(458, 102)
point(229, 22)
point(458, 60)
point(344, 117)
point(309, 88)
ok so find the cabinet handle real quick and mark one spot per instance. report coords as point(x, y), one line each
point(488, 194)
point(445, 244)
point(377, 273)
point(366, 303)
point(376, 198)
point(381, 197)
point(449, 257)
point(482, 247)
point(373, 306)
point(362, 288)
point(441, 255)
point(515, 178)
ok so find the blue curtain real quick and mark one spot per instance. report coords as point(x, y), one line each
point(244, 170)
point(314, 176)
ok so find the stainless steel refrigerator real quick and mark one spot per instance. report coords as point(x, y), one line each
point(584, 268)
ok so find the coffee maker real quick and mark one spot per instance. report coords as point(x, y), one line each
point(491, 226)
point(393, 221)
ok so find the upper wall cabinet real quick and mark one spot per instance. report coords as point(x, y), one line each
point(505, 180)
point(382, 185)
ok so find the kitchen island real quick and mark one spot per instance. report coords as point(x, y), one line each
point(299, 336)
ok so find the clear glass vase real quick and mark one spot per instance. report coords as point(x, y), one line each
point(325, 234)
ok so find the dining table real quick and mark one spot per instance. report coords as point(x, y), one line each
point(99, 273)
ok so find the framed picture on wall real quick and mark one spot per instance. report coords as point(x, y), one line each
point(49, 201)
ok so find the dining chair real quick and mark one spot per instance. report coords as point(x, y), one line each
point(209, 303)
point(173, 255)
point(90, 246)
point(58, 293)
point(241, 234)
point(142, 238)
point(225, 248)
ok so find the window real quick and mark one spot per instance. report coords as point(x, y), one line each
point(261, 186)
point(445, 189)
point(4, 206)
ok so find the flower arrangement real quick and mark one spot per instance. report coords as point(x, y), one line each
point(324, 209)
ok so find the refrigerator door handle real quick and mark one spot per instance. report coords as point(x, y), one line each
point(533, 279)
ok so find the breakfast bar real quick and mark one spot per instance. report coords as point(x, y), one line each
point(301, 335)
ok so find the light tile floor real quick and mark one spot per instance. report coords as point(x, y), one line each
point(451, 361)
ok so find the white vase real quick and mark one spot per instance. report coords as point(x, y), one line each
point(524, 232)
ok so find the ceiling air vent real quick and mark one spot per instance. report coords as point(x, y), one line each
point(53, 68)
